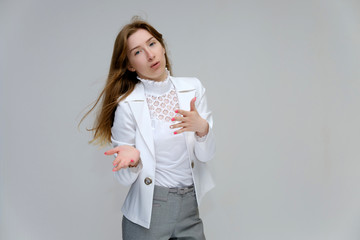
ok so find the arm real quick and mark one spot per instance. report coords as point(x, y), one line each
point(204, 147)
point(199, 121)
point(127, 164)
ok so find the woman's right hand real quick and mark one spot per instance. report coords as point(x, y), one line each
point(127, 156)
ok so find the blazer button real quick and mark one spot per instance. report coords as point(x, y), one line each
point(147, 181)
point(192, 164)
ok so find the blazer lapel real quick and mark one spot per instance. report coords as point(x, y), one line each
point(140, 110)
point(185, 92)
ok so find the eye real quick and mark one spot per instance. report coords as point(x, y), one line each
point(137, 52)
point(152, 44)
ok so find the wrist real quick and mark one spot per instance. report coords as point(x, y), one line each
point(204, 130)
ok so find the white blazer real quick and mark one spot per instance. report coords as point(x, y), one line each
point(132, 126)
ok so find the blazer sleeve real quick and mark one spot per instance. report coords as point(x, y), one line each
point(123, 133)
point(204, 150)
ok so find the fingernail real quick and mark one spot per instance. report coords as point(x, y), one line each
point(114, 164)
point(171, 126)
point(176, 111)
point(173, 119)
point(175, 132)
point(195, 98)
point(114, 169)
point(105, 153)
point(132, 160)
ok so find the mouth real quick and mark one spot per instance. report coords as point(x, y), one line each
point(155, 64)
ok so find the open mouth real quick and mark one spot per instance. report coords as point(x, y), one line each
point(155, 64)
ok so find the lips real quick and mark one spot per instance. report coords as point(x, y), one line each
point(155, 65)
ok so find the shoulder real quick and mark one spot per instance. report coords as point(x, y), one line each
point(138, 94)
point(186, 83)
point(189, 80)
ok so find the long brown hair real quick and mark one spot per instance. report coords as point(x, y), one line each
point(120, 81)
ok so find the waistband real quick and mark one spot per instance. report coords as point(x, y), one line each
point(182, 190)
point(177, 190)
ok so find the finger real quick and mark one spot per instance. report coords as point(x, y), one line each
point(179, 125)
point(117, 168)
point(132, 163)
point(192, 104)
point(117, 160)
point(112, 151)
point(179, 119)
point(128, 163)
point(122, 164)
point(182, 112)
point(181, 130)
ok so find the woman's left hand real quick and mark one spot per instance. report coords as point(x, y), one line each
point(190, 121)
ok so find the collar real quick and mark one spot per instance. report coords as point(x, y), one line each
point(181, 85)
point(155, 87)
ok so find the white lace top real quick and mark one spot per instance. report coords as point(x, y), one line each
point(163, 107)
point(172, 160)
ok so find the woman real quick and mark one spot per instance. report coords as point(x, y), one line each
point(161, 130)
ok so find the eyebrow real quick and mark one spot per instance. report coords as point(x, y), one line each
point(139, 45)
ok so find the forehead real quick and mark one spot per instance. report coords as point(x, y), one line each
point(138, 38)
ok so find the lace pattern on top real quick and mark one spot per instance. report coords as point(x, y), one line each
point(163, 107)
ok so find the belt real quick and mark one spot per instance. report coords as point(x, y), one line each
point(182, 190)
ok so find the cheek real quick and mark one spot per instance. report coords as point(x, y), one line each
point(129, 60)
point(133, 62)
point(139, 63)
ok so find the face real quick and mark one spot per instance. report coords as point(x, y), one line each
point(146, 56)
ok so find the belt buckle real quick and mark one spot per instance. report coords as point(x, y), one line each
point(182, 190)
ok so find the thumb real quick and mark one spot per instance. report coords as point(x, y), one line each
point(192, 104)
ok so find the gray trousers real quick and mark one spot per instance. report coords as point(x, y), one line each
point(175, 215)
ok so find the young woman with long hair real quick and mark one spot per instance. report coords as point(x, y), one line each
point(161, 130)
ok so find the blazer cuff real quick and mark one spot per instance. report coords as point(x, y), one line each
point(201, 139)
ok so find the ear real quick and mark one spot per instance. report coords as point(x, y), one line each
point(131, 69)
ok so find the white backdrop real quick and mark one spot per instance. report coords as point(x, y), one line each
point(283, 80)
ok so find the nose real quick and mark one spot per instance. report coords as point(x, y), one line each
point(150, 55)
